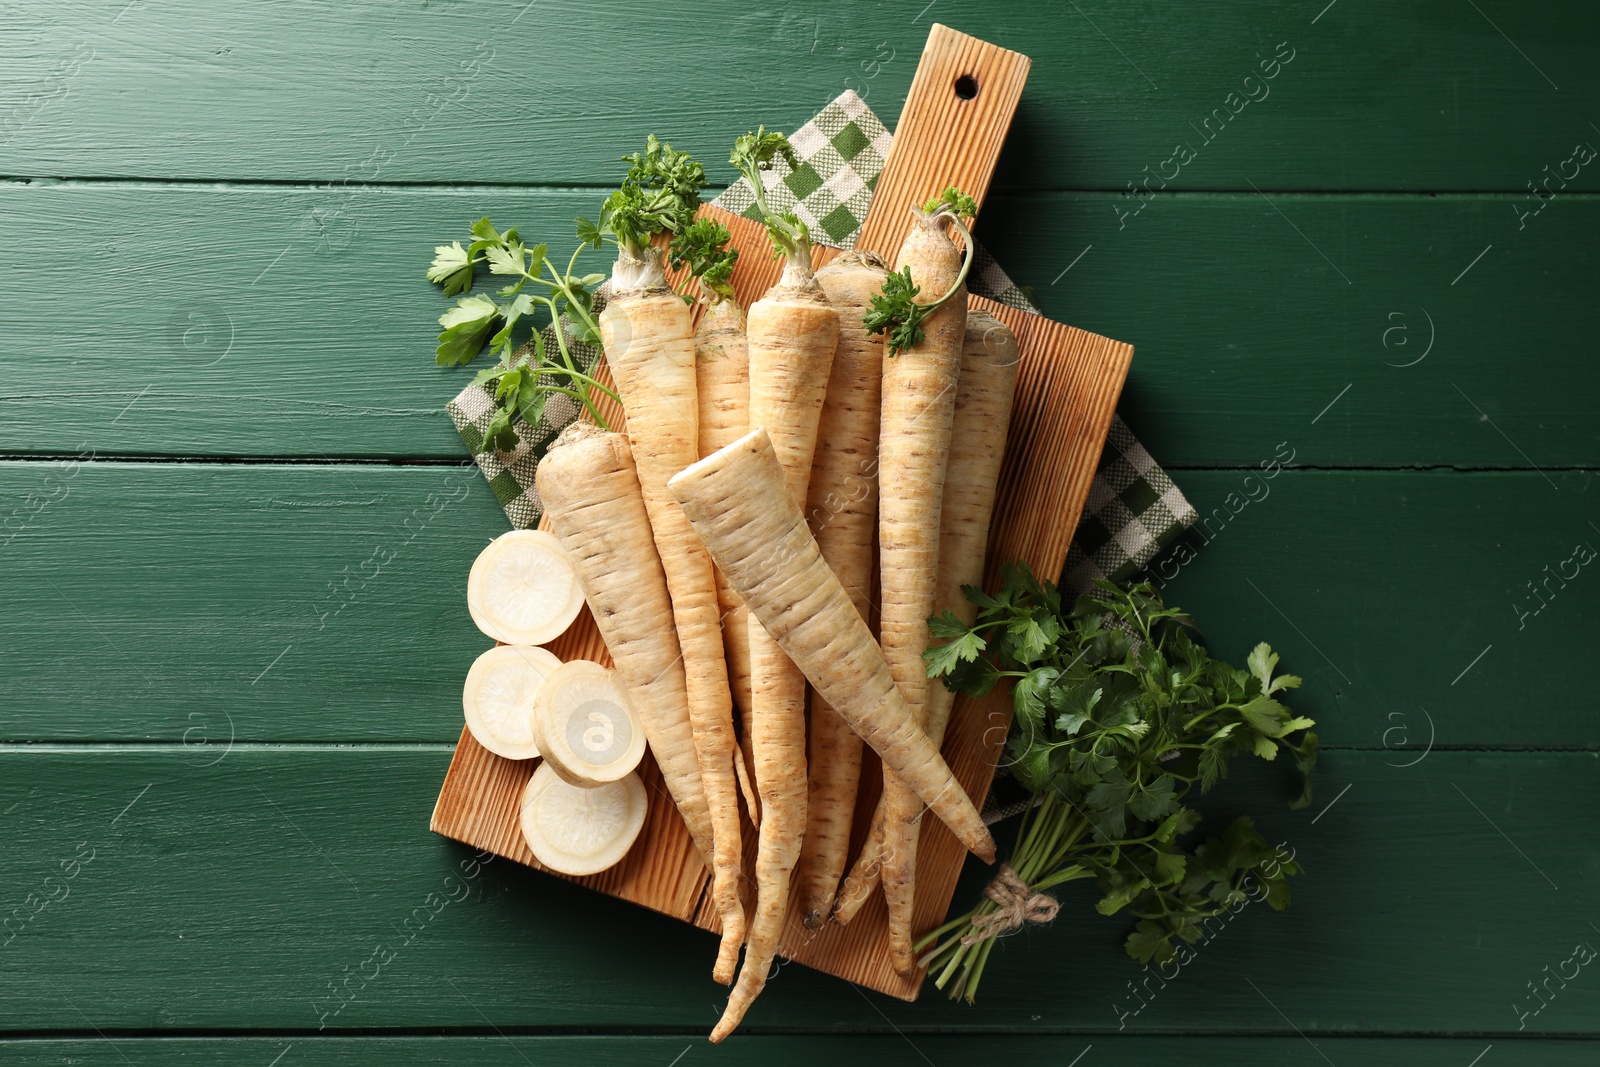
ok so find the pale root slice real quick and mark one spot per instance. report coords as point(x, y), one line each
point(591, 494)
point(982, 419)
point(585, 727)
point(842, 508)
point(500, 694)
point(522, 589)
point(738, 501)
point(576, 829)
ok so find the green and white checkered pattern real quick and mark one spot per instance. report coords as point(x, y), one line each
point(840, 153)
point(1133, 510)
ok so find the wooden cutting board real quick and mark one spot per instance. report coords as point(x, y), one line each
point(961, 103)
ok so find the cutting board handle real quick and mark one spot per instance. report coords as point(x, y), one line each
point(954, 124)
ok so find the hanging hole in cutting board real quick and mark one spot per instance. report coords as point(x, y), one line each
point(966, 87)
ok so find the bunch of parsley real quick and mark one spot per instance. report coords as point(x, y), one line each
point(1120, 714)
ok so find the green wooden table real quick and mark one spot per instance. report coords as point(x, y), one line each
point(237, 524)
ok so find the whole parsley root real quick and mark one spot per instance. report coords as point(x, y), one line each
point(982, 419)
point(1120, 714)
point(842, 508)
point(791, 332)
point(648, 333)
point(921, 374)
point(722, 383)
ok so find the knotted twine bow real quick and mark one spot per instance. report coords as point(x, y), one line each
point(1017, 903)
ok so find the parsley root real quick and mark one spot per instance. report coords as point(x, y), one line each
point(648, 335)
point(921, 372)
point(792, 332)
point(722, 369)
point(842, 508)
point(591, 493)
point(982, 417)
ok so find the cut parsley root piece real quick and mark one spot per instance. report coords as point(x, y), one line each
point(523, 590)
point(584, 726)
point(578, 830)
point(500, 694)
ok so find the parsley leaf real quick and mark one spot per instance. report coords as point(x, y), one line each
point(466, 327)
point(754, 155)
point(941, 659)
point(702, 247)
point(525, 376)
point(659, 194)
point(452, 268)
point(954, 201)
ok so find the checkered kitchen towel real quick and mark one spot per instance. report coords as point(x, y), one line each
point(1134, 509)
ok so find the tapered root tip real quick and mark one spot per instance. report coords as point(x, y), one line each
point(846, 905)
point(751, 981)
point(729, 1023)
point(727, 960)
point(983, 847)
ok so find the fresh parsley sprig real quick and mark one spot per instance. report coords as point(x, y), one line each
point(954, 201)
point(754, 154)
point(1120, 715)
point(659, 194)
point(524, 379)
point(702, 247)
point(895, 310)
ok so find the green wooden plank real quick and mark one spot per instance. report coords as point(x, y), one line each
point(796, 1051)
point(1462, 340)
point(1436, 96)
point(171, 601)
point(1403, 599)
point(238, 328)
point(244, 894)
point(289, 603)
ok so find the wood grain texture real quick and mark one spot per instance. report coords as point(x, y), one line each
point(1429, 97)
point(175, 586)
point(234, 896)
point(950, 132)
point(859, 1050)
point(1244, 332)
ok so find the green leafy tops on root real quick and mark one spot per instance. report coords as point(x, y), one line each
point(753, 154)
